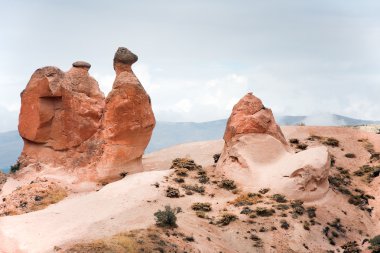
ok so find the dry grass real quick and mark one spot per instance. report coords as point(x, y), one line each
point(149, 240)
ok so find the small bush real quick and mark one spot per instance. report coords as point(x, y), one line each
point(350, 155)
point(311, 212)
point(172, 192)
point(194, 188)
point(375, 244)
point(264, 190)
point(284, 224)
point(246, 210)
point(15, 167)
point(216, 157)
point(179, 180)
point(246, 199)
point(282, 207)
point(184, 163)
point(294, 141)
point(257, 240)
point(226, 219)
point(302, 146)
point(306, 225)
point(205, 207)
point(227, 184)
point(201, 214)
point(298, 208)
point(331, 142)
point(167, 217)
point(181, 172)
point(279, 198)
point(264, 212)
point(351, 247)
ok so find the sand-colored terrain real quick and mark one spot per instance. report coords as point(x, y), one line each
point(263, 223)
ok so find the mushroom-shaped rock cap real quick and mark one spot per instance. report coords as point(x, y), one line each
point(123, 55)
point(81, 64)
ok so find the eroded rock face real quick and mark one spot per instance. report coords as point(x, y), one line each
point(249, 115)
point(128, 118)
point(256, 155)
point(66, 121)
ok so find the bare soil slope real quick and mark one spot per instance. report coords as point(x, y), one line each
point(122, 213)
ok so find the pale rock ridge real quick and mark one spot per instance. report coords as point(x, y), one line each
point(65, 120)
point(256, 155)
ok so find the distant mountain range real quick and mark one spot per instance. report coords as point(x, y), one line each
point(167, 134)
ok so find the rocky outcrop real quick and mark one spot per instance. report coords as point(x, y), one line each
point(256, 155)
point(249, 115)
point(66, 121)
point(128, 119)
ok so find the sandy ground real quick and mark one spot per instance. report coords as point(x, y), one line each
point(130, 203)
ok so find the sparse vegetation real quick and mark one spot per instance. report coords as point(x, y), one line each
point(15, 167)
point(185, 163)
point(226, 219)
point(198, 206)
point(302, 146)
point(375, 244)
point(247, 199)
point(264, 190)
point(216, 157)
point(172, 192)
point(279, 198)
point(294, 141)
point(350, 155)
point(264, 212)
point(351, 247)
point(368, 171)
point(331, 142)
point(311, 212)
point(298, 208)
point(227, 184)
point(194, 188)
point(257, 240)
point(284, 224)
point(167, 217)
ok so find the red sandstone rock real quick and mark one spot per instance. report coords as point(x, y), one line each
point(66, 121)
point(128, 118)
point(249, 115)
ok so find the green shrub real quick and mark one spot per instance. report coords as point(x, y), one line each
point(167, 217)
point(375, 244)
point(15, 167)
point(279, 198)
point(351, 247)
point(227, 184)
point(311, 212)
point(284, 224)
point(331, 142)
point(172, 192)
point(226, 219)
point(216, 157)
point(264, 212)
point(198, 206)
point(350, 155)
point(194, 188)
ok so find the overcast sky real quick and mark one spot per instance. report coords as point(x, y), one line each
point(198, 57)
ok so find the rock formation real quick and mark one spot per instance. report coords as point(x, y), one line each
point(256, 155)
point(249, 115)
point(128, 118)
point(66, 121)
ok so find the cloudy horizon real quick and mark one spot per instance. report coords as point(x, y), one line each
point(198, 58)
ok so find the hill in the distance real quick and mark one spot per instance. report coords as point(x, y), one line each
point(168, 134)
